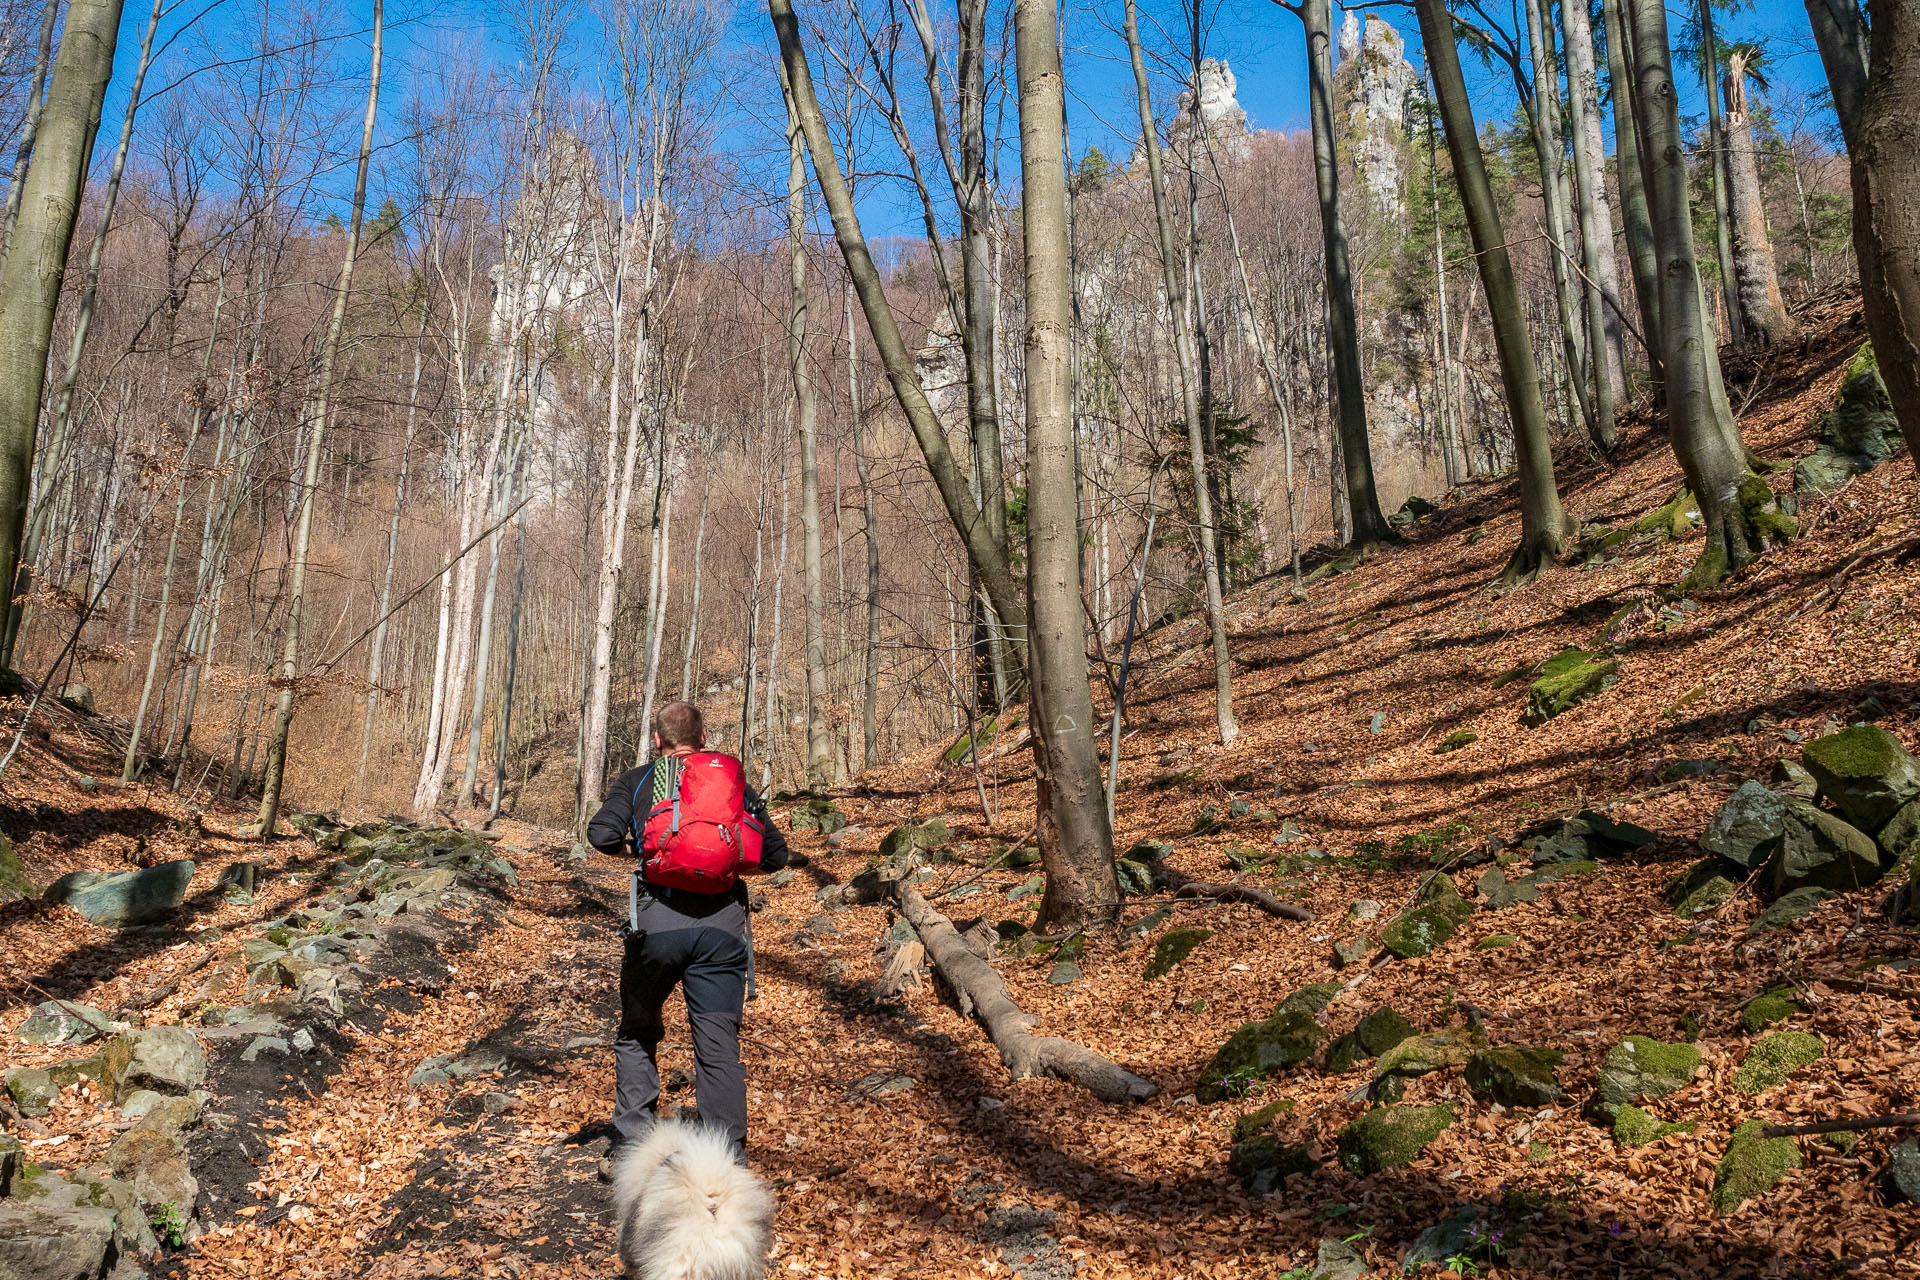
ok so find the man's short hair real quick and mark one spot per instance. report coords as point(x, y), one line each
point(679, 725)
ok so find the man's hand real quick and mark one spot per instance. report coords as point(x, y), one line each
point(795, 858)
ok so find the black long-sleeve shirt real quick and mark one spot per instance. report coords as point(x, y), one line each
point(612, 826)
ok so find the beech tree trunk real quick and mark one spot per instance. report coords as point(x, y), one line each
point(870, 682)
point(1763, 313)
point(1717, 149)
point(1602, 291)
point(1841, 35)
point(1185, 345)
point(1076, 843)
point(36, 252)
point(1736, 505)
point(989, 559)
point(1634, 219)
point(1544, 523)
point(1368, 526)
point(1548, 147)
point(1886, 207)
point(276, 766)
point(823, 765)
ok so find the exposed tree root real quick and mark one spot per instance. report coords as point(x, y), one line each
point(983, 995)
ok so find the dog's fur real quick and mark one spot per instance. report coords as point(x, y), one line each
point(687, 1211)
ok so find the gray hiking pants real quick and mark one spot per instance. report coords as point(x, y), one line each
point(697, 942)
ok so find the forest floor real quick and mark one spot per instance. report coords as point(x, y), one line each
point(898, 1144)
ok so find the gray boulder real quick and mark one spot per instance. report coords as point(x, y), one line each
point(64, 1022)
point(32, 1090)
point(1901, 1178)
point(1641, 1067)
point(1789, 907)
point(1794, 780)
point(164, 1059)
point(1865, 772)
point(77, 696)
point(1797, 845)
point(41, 1241)
point(1747, 826)
point(127, 898)
point(1856, 436)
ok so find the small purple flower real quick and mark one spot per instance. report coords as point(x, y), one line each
point(1616, 1231)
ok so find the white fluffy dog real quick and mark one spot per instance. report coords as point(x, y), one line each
point(687, 1211)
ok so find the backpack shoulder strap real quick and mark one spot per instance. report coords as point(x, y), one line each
point(636, 817)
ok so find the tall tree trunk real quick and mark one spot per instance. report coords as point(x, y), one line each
point(1886, 208)
point(1841, 34)
point(1367, 525)
point(776, 726)
point(823, 764)
point(1763, 314)
point(690, 664)
point(503, 722)
point(130, 767)
point(1634, 219)
point(377, 647)
point(30, 122)
point(1596, 223)
point(297, 581)
point(1547, 145)
point(483, 647)
point(870, 512)
point(36, 257)
point(1076, 842)
point(989, 558)
point(1185, 342)
point(1717, 149)
point(1736, 505)
point(655, 621)
point(1544, 523)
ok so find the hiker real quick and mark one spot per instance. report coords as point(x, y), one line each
point(696, 827)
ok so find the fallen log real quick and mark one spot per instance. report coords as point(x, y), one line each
point(984, 995)
point(1243, 893)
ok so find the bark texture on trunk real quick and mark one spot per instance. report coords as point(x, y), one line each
point(1841, 34)
point(1886, 207)
point(1717, 157)
point(823, 762)
point(1367, 525)
point(36, 259)
point(1544, 523)
point(1634, 219)
point(1602, 291)
point(1736, 505)
point(1763, 313)
point(1076, 844)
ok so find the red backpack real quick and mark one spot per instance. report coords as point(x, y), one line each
point(699, 837)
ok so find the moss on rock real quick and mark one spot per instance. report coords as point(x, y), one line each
point(1633, 1127)
point(1773, 1058)
point(14, 880)
point(1567, 679)
point(1258, 1049)
point(1641, 1067)
point(1174, 946)
point(1437, 911)
point(1455, 741)
point(1866, 773)
point(1375, 1034)
point(1516, 1077)
point(1263, 1162)
point(1751, 1166)
point(1494, 941)
point(1701, 888)
point(1776, 1005)
point(1388, 1137)
point(1310, 999)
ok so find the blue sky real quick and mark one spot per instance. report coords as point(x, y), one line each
point(1261, 41)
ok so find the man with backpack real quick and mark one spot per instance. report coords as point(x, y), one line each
point(696, 827)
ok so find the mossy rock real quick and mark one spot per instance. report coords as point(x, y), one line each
point(1375, 1034)
point(930, 834)
point(1858, 434)
point(1701, 888)
point(1819, 851)
point(1865, 772)
point(1640, 1067)
point(1310, 999)
point(817, 814)
point(1258, 1049)
point(1789, 907)
point(107, 1066)
point(1388, 1137)
point(14, 880)
point(1773, 1058)
point(1455, 741)
point(1174, 946)
point(1263, 1162)
point(1752, 1166)
point(1495, 941)
point(1899, 840)
point(1257, 1121)
point(1208, 821)
point(1516, 1077)
point(1776, 1005)
point(1633, 1127)
point(1352, 950)
point(1567, 679)
point(1438, 911)
point(1014, 860)
point(1144, 851)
